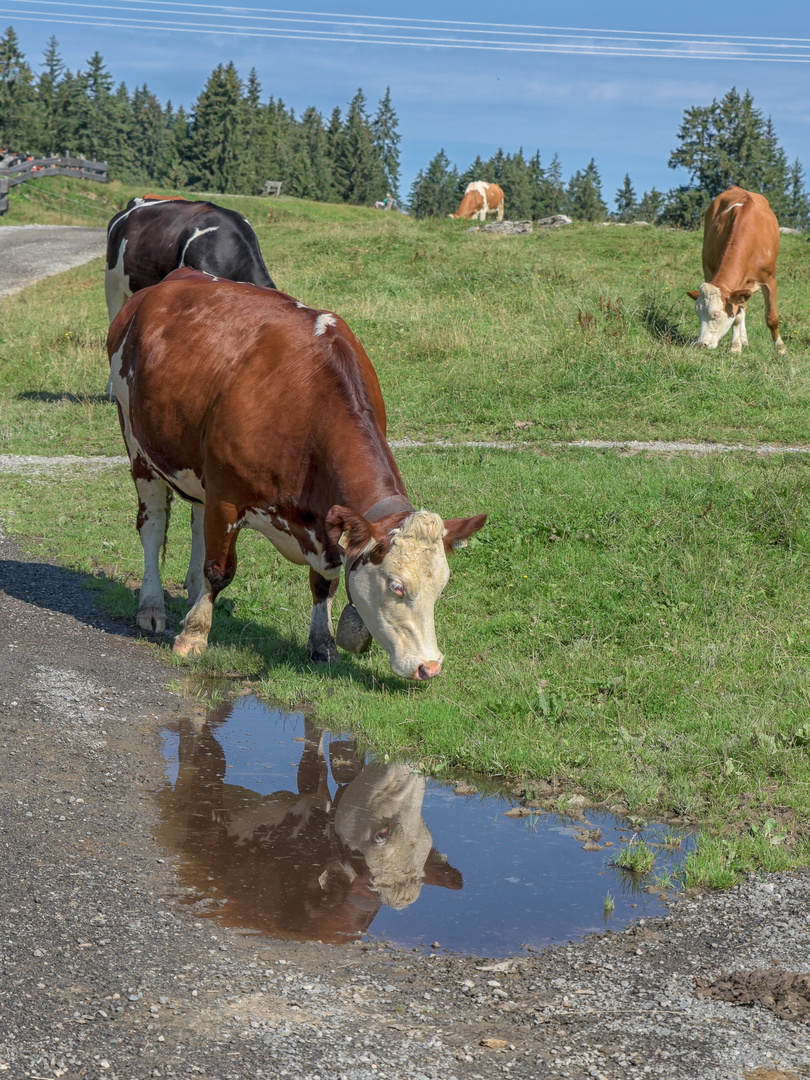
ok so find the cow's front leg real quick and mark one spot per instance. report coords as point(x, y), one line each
point(194, 578)
point(154, 498)
point(321, 644)
point(739, 337)
point(771, 318)
point(219, 566)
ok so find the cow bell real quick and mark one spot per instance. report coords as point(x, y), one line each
point(352, 634)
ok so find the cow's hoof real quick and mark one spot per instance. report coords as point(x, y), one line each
point(186, 646)
point(323, 653)
point(152, 620)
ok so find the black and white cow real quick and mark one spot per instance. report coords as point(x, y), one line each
point(155, 235)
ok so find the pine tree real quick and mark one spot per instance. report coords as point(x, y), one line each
point(16, 95)
point(434, 191)
point(583, 195)
point(120, 156)
point(358, 165)
point(47, 116)
point(797, 215)
point(179, 148)
point(625, 201)
point(723, 144)
point(217, 133)
point(518, 190)
point(650, 206)
point(70, 110)
point(386, 141)
point(315, 149)
point(150, 138)
point(96, 129)
point(551, 197)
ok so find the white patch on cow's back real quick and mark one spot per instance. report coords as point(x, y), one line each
point(481, 186)
point(139, 205)
point(197, 233)
point(731, 207)
point(323, 322)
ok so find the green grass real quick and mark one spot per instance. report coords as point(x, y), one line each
point(574, 333)
point(635, 625)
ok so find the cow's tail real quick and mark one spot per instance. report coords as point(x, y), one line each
point(166, 529)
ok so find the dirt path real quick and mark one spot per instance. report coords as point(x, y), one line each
point(104, 973)
point(34, 464)
point(29, 253)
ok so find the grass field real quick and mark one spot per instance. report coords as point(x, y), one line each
point(635, 624)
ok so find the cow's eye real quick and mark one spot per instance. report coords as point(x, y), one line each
point(381, 836)
point(716, 315)
point(396, 587)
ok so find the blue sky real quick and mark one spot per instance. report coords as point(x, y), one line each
point(603, 99)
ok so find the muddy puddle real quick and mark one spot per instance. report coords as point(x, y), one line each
point(287, 832)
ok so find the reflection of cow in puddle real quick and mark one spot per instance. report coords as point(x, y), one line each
point(302, 865)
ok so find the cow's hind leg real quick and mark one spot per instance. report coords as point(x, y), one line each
point(739, 337)
point(154, 499)
point(219, 566)
point(321, 644)
point(194, 578)
point(771, 318)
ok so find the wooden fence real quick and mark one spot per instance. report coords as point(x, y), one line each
point(77, 168)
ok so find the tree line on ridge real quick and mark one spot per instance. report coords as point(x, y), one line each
point(232, 142)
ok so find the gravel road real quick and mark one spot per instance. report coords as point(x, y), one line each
point(29, 253)
point(106, 974)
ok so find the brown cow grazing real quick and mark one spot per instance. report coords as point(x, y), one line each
point(740, 245)
point(479, 200)
point(269, 415)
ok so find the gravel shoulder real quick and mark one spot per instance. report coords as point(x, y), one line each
point(104, 973)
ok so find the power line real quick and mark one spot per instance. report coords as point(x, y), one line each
point(146, 15)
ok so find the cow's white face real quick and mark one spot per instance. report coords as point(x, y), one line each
point(395, 597)
point(716, 315)
point(380, 815)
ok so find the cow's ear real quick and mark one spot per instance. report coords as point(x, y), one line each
point(348, 529)
point(458, 530)
point(693, 293)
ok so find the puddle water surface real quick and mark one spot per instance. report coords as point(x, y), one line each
point(288, 833)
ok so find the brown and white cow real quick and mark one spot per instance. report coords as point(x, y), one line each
point(479, 200)
point(740, 245)
point(268, 414)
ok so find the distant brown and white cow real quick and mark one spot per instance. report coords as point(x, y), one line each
point(269, 415)
point(740, 245)
point(155, 235)
point(479, 200)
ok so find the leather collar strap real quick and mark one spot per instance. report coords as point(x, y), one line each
point(394, 504)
